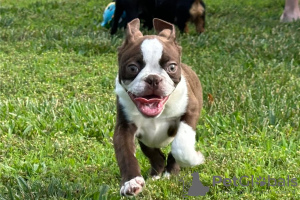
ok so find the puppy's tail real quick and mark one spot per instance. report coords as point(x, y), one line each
point(197, 9)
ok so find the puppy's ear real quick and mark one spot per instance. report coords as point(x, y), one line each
point(133, 30)
point(164, 29)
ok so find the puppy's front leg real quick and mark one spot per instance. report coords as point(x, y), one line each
point(132, 182)
point(183, 147)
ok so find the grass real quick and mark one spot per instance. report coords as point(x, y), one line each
point(57, 102)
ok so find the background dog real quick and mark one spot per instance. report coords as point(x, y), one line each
point(173, 11)
point(159, 100)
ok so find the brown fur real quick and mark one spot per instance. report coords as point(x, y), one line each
point(123, 141)
point(195, 94)
point(197, 13)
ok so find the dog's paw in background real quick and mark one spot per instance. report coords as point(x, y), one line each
point(133, 187)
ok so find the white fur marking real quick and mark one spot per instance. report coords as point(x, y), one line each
point(153, 131)
point(167, 175)
point(183, 147)
point(133, 187)
point(152, 51)
point(154, 178)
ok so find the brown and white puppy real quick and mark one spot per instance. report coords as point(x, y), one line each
point(159, 100)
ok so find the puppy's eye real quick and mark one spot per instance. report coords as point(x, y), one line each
point(172, 68)
point(133, 69)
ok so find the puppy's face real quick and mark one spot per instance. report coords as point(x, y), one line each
point(149, 69)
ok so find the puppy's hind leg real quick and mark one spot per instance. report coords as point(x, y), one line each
point(183, 147)
point(156, 158)
point(172, 166)
point(197, 13)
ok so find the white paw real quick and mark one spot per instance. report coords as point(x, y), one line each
point(154, 178)
point(200, 158)
point(133, 187)
point(183, 147)
point(167, 175)
point(195, 159)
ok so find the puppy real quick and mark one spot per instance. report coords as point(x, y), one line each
point(159, 100)
point(179, 12)
point(193, 11)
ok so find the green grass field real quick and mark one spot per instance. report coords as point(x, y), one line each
point(57, 101)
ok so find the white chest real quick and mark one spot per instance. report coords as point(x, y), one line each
point(156, 132)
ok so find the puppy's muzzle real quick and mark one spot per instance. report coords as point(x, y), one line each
point(153, 81)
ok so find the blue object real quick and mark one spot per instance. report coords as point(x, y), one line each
point(108, 15)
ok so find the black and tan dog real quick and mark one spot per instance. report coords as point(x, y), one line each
point(179, 12)
point(159, 100)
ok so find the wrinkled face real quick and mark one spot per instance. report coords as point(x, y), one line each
point(149, 70)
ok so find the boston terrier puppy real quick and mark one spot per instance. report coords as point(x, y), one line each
point(159, 100)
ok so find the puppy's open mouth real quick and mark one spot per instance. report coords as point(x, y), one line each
point(149, 106)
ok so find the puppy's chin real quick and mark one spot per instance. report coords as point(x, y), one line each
point(149, 106)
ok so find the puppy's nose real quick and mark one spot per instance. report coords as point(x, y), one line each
point(153, 80)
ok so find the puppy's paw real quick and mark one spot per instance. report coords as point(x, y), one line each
point(195, 158)
point(167, 175)
point(199, 158)
point(133, 187)
point(156, 177)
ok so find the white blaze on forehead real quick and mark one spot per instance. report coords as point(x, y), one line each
point(152, 51)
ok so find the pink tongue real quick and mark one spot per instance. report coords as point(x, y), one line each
point(149, 107)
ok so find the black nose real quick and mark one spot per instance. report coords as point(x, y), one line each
point(153, 80)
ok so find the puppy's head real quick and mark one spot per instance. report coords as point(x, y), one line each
point(149, 66)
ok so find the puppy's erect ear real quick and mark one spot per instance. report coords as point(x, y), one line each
point(133, 30)
point(164, 29)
